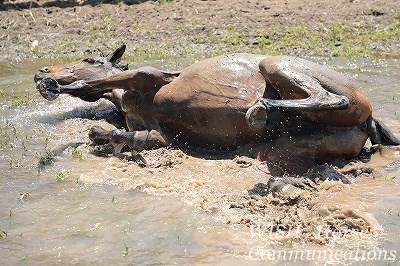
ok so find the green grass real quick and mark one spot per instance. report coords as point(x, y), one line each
point(232, 37)
point(3, 234)
point(35, 49)
point(339, 38)
point(5, 138)
point(126, 251)
point(23, 196)
point(61, 175)
point(20, 101)
point(8, 133)
point(76, 153)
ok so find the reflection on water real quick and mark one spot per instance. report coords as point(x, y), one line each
point(79, 208)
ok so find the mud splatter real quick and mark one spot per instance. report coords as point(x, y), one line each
point(232, 189)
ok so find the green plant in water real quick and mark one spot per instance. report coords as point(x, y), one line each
point(3, 234)
point(23, 196)
point(15, 162)
point(126, 251)
point(4, 138)
point(14, 130)
point(47, 159)
point(20, 101)
point(48, 139)
point(76, 153)
point(61, 175)
point(24, 148)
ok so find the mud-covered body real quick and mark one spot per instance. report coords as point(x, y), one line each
point(289, 107)
point(208, 101)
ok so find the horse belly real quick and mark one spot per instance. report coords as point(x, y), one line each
point(208, 108)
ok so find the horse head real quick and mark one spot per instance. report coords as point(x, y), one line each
point(88, 69)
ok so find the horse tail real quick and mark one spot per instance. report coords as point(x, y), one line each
point(380, 134)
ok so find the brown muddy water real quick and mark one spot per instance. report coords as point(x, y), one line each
point(60, 203)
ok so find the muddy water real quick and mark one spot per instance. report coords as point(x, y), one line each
point(62, 204)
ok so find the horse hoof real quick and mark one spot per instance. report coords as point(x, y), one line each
point(99, 136)
point(49, 88)
point(256, 116)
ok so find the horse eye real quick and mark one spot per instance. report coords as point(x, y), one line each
point(89, 60)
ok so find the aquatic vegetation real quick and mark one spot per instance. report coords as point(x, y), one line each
point(4, 138)
point(126, 251)
point(8, 133)
point(46, 159)
point(49, 139)
point(76, 153)
point(15, 162)
point(23, 145)
point(3, 234)
point(23, 196)
point(61, 175)
point(20, 101)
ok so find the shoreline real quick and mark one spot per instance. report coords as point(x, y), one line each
point(194, 28)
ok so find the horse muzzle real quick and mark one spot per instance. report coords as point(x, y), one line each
point(48, 88)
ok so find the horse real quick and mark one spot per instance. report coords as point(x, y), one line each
point(281, 109)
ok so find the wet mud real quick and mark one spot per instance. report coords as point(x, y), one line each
point(178, 204)
point(232, 188)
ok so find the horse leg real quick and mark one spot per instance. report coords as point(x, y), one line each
point(295, 152)
point(314, 91)
point(139, 81)
point(136, 141)
point(115, 96)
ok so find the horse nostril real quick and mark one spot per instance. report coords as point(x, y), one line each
point(45, 70)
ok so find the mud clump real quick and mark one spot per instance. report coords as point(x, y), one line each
point(301, 216)
point(163, 158)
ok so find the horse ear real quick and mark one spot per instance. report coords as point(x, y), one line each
point(115, 57)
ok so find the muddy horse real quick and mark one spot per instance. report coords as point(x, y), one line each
point(281, 109)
